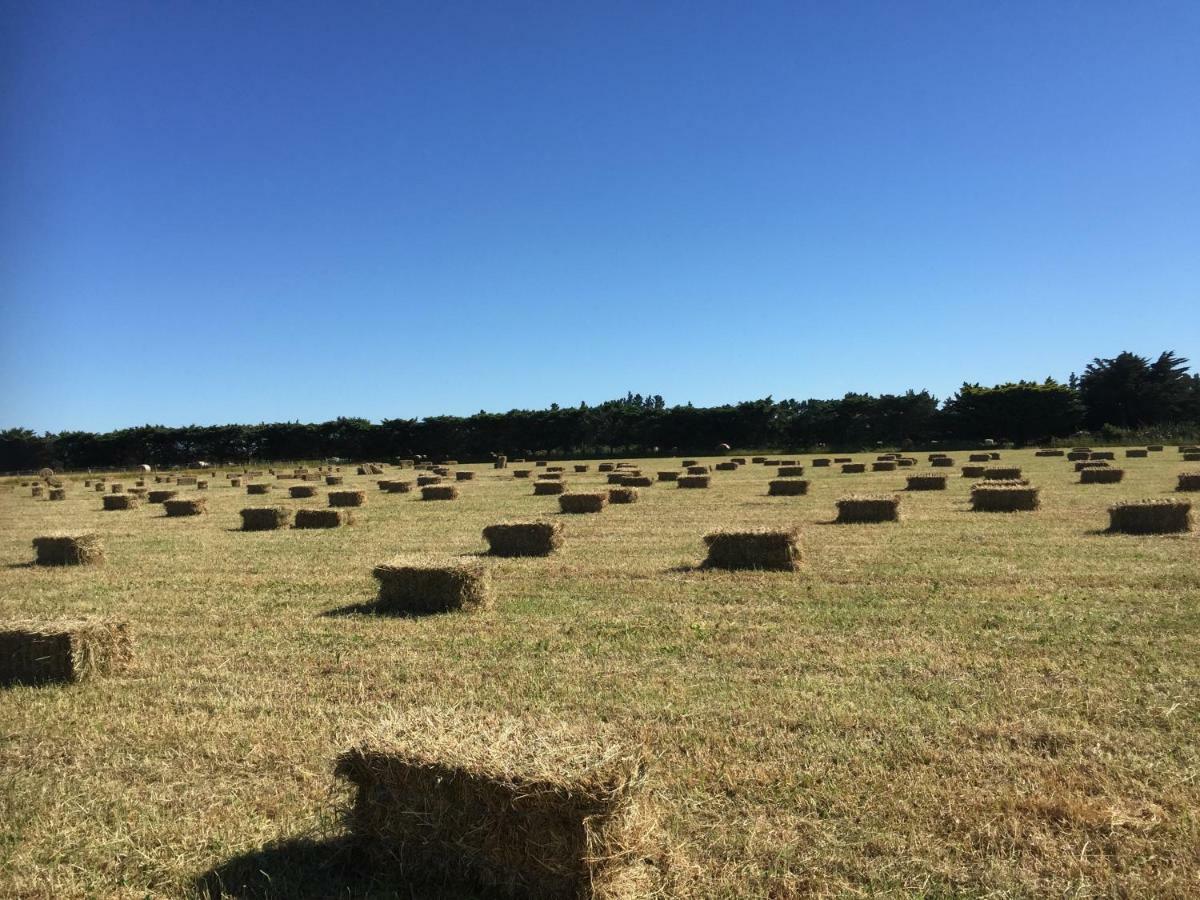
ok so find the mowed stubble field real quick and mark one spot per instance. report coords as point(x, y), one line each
point(961, 704)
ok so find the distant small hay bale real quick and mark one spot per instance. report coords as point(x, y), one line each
point(192, 506)
point(583, 502)
point(925, 482)
point(464, 476)
point(420, 585)
point(1191, 457)
point(186, 479)
point(615, 477)
point(235, 482)
point(540, 463)
point(521, 807)
point(550, 476)
point(787, 487)
point(427, 480)
point(623, 495)
point(758, 459)
point(347, 498)
point(729, 466)
point(449, 462)
point(668, 476)
point(637, 481)
point(87, 482)
point(1136, 454)
point(693, 481)
point(120, 501)
point(979, 457)
point(261, 487)
point(1101, 476)
point(581, 468)
point(1103, 454)
point(36, 490)
point(1151, 517)
point(821, 462)
point(973, 471)
point(523, 538)
point(943, 462)
point(605, 467)
point(334, 479)
point(64, 650)
point(160, 496)
point(138, 492)
point(302, 490)
point(265, 518)
point(1090, 464)
point(1155, 448)
point(689, 462)
point(500, 462)
point(887, 466)
point(521, 473)
point(853, 468)
point(399, 487)
point(1048, 453)
point(790, 471)
point(443, 471)
point(840, 460)
point(993, 455)
point(737, 550)
point(906, 462)
point(1081, 449)
point(789, 462)
point(201, 484)
point(1002, 473)
point(439, 492)
point(322, 518)
point(548, 488)
point(771, 462)
point(519, 459)
point(886, 457)
point(141, 482)
point(933, 456)
point(556, 468)
point(863, 509)
point(118, 488)
point(1188, 481)
point(1076, 455)
point(698, 470)
point(58, 494)
point(1004, 496)
point(383, 484)
point(738, 460)
point(84, 549)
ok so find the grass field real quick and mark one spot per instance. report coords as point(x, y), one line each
point(961, 704)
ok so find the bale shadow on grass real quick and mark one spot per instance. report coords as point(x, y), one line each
point(373, 608)
point(308, 869)
point(21, 565)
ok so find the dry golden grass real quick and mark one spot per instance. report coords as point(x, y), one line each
point(955, 705)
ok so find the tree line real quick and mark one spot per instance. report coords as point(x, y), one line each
point(1125, 398)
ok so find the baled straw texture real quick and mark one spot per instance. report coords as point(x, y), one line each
point(36, 651)
point(623, 495)
point(787, 487)
point(1188, 481)
point(583, 502)
point(192, 506)
point(693, 481)
point(62, 549)
point(790, 471)
point(419, 585)
point(322, 518)
point(778, 550)
point(1151, 517)
point(853, 468)
point(926, 482)
point(668, 476)
point(1101, 476)
point(302, 490)
point(265, 518)
point(523, 538)
point(1004, 496)
point(548, 488)
point(859, 509)
point(347, 498)
point(160, 496)
point(439, 492)
point(121, 501)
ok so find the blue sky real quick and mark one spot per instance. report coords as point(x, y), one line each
point(238, 212)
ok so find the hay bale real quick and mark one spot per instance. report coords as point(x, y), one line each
point(193, 506)
point(265, 518)
point(261, 487)
point(464, 476)
point(615, 477)
point(1081, 449)
point(63, 650)
point(933, 456)
point(302, 490)
point(853, 468)
point(523, 538)
point(160, 496)
point(906, 462)
point(840, 460)
point(120, 501)
point(443, 471)
point(398, 487)
point(605, 467)
point(637, 481)
point(668, 476)
point(693, 481)
point(540, 463)
point(1155, 448)
point(979, 457)
point(887, 457)
point(821, 462)
point(758, 459)
point(186, 479)
point(1048, 453)
point(1004, 496)
point(1002, 473)
point(738, 460)
point(1076, 455)
point(36, 490)
point(1101, 476)
point(426, 480)
point(500, 462)
point(556, 468)
point(347, 498)
point(698, 470)
point(58, 494)
point(887, 466)
point(548, 488)
point(790, 471)
point(419, 585)
point(521, 473)
point(1191, 457)
point(118, 488)
point(787, 487)
point(1089, 464)
point(439, 492)
point(925, 482)
point(583, 502)
point(523, 808)
point(322, 518)
point(1188, 481)
point(81, 549)
point(859, 509)
point(973, 471)
point(942, 462)
point(235, 482)
point(776, 550)
point(1136, 454)
point(99, 486)
point(581, 468)
point(332, 480)
point(689, 462)
point(730, 466)
point(1103, 454)
point(1150, 517)
point(550, 476)
point(623, 495)
point(201, 484)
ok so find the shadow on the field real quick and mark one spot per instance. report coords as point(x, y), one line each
point(370, 608)
point(306, 869)
point(24, 565)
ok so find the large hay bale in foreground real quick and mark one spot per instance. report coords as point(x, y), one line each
point(548, 488)
point(439, 492)
point(83, 549)
point(623, 495)
point(1002, 473)
point(533, 809)
point(192, 506)
point(583, 502)
point(523, 538)
point(790, 471)
point(1188, 481)
point(265, 518)
point(1101, 476)
point(926, 482)
point(120, 501)
point(668, 476)
point(861, 509)
point(347, 498)
point(322, 518)
point(298, 491)
point(778, 550)
point(787, 487)
point(70, 650)
point(853, 468)
point(1004, 496)
point(693, 481)
point(1151, 517)
point(420, 584)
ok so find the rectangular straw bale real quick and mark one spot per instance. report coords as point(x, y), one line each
point(523, 538)
point(615, 477)
point(583, 502)
point(399, 487)
point(261, 487)
point(419, 585)
point(926, 482)
point(840, 460)
point(1136, 454)
point(857, 509)
point(265, 518)
point(302, 490)
point(906, 462)
point(63, 549)
point(1155, 448)
point(605, 467)
point(637, 481)
point(887, 466)
point(821, 462)
point(322, 518)
point(536, 809)
point(668, 476)
point(1076, 455)
point(693, 481)
point(548, 488)
point(521, 473)
point(689, 462)
point(464, 476)
point(439, 492)
point(332, 480)
point(63, 650)
point(765, 549)
point(192, 506)
point(1188, 481)
point(121, 501)
point(738, 460)
point(979, 457)
point(550, 476)
point(729, 466)
point(1103, 454)
point(1151, 517)
point(853, 468)
point(118, 488)
point(942, 462)
point(1090, 464)
point(58, 494)
point(581, 468)
point(758, 459)
point(160, 496)
point(790, 471)
point(623, 495)
point(787, 487)
point(1001, 473)
point(347, 498)
point(1048, 453)
point(1101, 476)
point(1004, 496)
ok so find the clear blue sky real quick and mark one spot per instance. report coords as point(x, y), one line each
point(236, 212)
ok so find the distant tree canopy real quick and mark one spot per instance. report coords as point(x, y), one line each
point(1113, 395)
